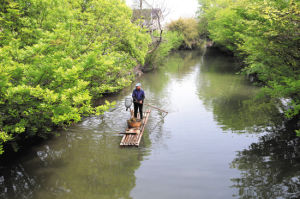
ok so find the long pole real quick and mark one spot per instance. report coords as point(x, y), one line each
point(157, 108)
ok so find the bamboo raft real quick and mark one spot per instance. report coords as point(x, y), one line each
point(132, 136)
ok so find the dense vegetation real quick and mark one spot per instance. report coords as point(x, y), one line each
point(265, 35)
point(56, 56)
point(188, 29)
point(182, 33)
point(170, 41)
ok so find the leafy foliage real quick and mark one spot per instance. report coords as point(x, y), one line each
point(56, 56)
point(263, 33)
point(188, 28)
point(171, 41)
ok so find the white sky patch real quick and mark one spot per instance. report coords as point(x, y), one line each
point(176, 8)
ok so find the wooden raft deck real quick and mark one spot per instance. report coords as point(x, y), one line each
point(135, 139)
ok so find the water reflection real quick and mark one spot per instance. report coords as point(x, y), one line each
point(184, 155)
point(84, 162)
point(232, 99)
point(270, 167)
point(175, 67)
point(17, 183)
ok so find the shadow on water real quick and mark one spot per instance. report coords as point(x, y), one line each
point(232, 99)
point(84, 162)
point(270, 167)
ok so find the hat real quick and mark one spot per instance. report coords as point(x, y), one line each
point(138, 84)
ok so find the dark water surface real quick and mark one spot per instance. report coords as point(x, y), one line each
point(218, 141)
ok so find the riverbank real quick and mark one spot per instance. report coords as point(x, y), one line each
point(19, 143)
point(53, 67)
point(264, 35)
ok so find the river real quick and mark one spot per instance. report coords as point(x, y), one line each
point(218, 141)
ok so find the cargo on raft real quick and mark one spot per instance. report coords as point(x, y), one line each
point(135, 130)
point(134, 123)
point(136, 127)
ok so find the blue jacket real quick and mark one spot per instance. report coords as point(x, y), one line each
point(138, 95)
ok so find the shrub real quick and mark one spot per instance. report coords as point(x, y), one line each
point(188, 28)
point(56, 56)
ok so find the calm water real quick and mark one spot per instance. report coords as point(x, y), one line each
point(218, 141)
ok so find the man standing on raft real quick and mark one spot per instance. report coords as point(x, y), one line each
point(138, 96)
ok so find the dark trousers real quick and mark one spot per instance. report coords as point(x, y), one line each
point(136, 107)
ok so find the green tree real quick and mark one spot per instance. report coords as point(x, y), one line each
point(265, 35)
point(171, 41)
point(188, 28)
point(57, 56)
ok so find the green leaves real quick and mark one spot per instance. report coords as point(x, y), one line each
point(298, 132)
point(188, 28)
point(172, 40)
point(4, 137)
point(57, 56)
point(265, 35)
